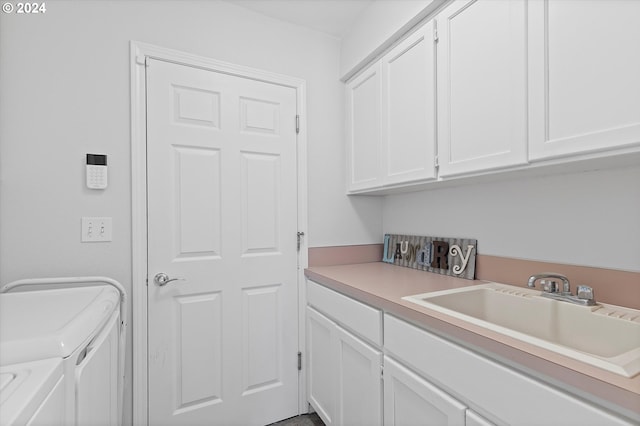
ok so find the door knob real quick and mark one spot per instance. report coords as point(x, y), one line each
point(163, 279)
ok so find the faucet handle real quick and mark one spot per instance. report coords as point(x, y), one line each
point(584, 292)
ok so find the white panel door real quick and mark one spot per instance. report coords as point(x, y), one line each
point(359, 381)
point(411, 400)
point(482, 86)
point(409, 116)
point(584, 83)
point(363, 130)
point(222, 215)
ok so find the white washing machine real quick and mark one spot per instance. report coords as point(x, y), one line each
point(81, 328)
point(32, 393)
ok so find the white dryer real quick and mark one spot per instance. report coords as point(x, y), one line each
point(80, 326)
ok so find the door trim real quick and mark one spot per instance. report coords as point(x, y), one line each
point(138, 53)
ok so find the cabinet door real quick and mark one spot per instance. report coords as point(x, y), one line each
point(321, 365)
point(482, 86)
point(584, 76)
point(411, 400)
point(363, 130)
point(359, 381)
point(408, 117)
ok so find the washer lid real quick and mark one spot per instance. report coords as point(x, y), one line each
point(51, 323)
point(25, 386)
point(5, 379)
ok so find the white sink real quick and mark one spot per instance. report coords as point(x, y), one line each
point(605, 336)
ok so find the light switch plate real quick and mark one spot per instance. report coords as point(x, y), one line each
point(96, 229)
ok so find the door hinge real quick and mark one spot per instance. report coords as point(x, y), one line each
point(299, 361)
point(300, 235)
point(297, 124)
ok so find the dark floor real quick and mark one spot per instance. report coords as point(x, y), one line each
point(304, 420)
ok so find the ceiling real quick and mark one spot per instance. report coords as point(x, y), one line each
point(333, 17)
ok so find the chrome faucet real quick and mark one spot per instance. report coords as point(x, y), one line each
point(550, 286)
point(584, 294)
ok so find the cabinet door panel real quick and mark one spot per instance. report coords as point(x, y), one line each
point(321, 365)
point(363, 124)
point(359, 381)
point(408, 119)
point(411, 400)
point(583, 76)
point(481, 86)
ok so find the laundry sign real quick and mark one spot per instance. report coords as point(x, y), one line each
point(446, 256)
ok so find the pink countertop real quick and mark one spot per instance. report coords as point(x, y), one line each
point(382, 285)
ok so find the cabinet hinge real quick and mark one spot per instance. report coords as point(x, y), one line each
point(436, 162)
point(300, 234)
point(299, 361)
point(297, 124)
point(382, 371)
point(435, 34)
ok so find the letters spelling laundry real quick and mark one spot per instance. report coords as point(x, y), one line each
point(449, 256)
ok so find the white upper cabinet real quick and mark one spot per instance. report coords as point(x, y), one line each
point(363, 130)
point(507, 83)
point(482, 86)
point(584, 76)
point(408, 118)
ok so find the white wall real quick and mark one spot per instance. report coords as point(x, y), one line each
point(64, 92)
point(374, 31)
point(589, 218)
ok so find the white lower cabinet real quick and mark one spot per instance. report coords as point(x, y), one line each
point(359, 390)
point(344, 376)
point(503, 394)
point(410, 400)
point(427, 380)
point(321, 365)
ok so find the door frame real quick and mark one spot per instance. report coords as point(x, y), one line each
point(139, 51)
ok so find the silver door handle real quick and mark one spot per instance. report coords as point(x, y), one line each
point(163, 279)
